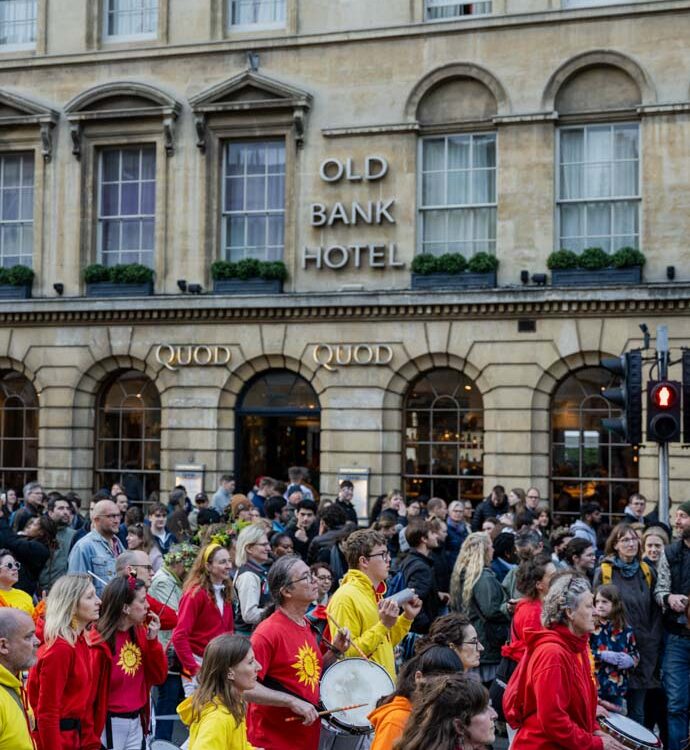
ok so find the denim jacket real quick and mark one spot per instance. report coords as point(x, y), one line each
point(94, 554)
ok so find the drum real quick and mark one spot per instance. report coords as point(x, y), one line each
point(629, 733)
point(349, 682)
point(162, 745)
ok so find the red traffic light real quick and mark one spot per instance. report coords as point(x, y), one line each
point(664, 395)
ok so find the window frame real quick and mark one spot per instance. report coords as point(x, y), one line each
point(449, 3)
point(19, 222)
point(223, 249)
point(99, 197)
point(611, 200)
point(231, 28)
point(30, 472)
point(472, 133)
point(27, 46)
point(143, 36)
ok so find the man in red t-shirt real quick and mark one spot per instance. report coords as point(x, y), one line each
point(291, 663)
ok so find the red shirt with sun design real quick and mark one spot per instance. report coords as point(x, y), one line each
point(289, 656)
point(127, 684)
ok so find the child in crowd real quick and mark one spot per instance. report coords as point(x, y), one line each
point(613, 646)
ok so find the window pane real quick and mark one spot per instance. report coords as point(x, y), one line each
point(433, 154)
point(433, 193)
point(459, 148)
point(131, 17)
point(257, 12)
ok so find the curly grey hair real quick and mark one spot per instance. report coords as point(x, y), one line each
point(565, 593)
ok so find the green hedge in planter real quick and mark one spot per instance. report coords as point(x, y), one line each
point(595, 259)
point(453, 263)
point(627, 257)
point(126, 273)
point(16, 276)
point(562, 259)
point(249, 268)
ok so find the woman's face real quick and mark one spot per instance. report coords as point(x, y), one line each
point(33, 528)
point(219, 567)
point(602, 607)
point(627, 546)
point(414, 509)
point(396, 501)
point(653, 547)
point(11, 497)
point(139, 608)
point(480, 731)
point(488, 526)
point(122, 503)
point(470, 649)
point(582, 617)
point(9, 571)
point(324, 580)
point(243, 675)
point(543, 585)
point(543, 519)
point(133, 541)
point(88, 606)
point(254, 514)
point(456, 511)
point(513, 499)
point(258, 552)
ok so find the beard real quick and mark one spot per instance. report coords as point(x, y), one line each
point(685, 534)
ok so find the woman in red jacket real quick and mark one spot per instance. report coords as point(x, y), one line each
point(552, 697)
point(127, 660)
point(205, 610)
point(60, 682)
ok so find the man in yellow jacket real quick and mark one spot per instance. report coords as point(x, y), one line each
point(375, 625)
point(18, 644)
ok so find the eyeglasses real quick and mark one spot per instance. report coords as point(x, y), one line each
point(385, 556)
point(12, 566)
point(629, 540)
point(474, 642)
point(306, 577)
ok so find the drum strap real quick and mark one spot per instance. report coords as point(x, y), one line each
point(272, 684)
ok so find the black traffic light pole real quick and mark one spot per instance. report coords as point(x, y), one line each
point(662, 354)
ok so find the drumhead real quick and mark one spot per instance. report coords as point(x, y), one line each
point(353, 681)
point(163, 745)
point(631, 729)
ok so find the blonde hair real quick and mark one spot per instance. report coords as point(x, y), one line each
point(248, 536)
point(61, 607)
point(473, 558)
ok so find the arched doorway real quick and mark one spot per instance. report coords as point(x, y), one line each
point(128, 435)
point(278, 426)
point(18, 431)
point(444, 437)
point(588, 462)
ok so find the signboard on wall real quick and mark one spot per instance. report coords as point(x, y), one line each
point(360, 496)
point(191, 476)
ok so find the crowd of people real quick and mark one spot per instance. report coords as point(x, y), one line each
point(225, 612)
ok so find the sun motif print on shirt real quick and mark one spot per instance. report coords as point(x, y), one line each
point(307, 666)
point(130, 658)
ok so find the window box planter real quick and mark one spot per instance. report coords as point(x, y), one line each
point(13, 291)
point(465, 280)
point(247, 286)
point(599, 277)
point(111, 289)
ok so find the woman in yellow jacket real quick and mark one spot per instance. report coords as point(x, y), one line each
point(215, 712)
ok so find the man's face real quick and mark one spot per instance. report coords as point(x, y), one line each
point(595, 517)
point(305, 518)
point(346, 494)
point(295, 498)
point(107, 518)
point(432, 540)
point(20, 648)
point(142, 567)
point(442, 534)
point(284, 516)
point(532, 499)
point(468, 511)
point(122, 503)
point(376, 564)
point(229, 486)
point(35, 497)
point(682, 523)
point(157, 521)
point(560, 547)
point(61, 513)
point(638, 505)
point(496, 498)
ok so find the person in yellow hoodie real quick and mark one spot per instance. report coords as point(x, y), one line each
point(392, 712)
point(216, 711)
point(375, 624)
point(18, 645)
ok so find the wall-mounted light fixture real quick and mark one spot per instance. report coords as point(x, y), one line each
point(524, 276)
point(670, 272)
point(195, 288)
point(59, 287)
point(182, 285)
point(539, 279)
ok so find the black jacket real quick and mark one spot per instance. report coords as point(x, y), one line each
point(31, 554)
point(349, 509)
point(486, 509)
point(418, 570)
point(678, 557)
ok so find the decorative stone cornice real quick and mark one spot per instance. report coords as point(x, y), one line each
point(510, 303)
point(26, 112)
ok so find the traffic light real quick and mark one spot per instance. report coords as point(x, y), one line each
point(627, 397)
point(663, 411)
point(686, 397)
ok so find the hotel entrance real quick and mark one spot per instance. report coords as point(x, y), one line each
point(278, 426)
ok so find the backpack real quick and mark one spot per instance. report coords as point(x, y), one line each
point(607, 573)
point(396, 584)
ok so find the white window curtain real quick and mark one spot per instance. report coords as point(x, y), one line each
point(257, 12)
point(440, 9)
point(125, 18)
point(599, 186)
point(18, 22)
point(458, 194)
point(16, 209)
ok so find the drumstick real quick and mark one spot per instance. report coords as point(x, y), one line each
point(352, 643)
point(330, 711)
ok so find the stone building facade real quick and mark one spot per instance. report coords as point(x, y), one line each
point(343, 138)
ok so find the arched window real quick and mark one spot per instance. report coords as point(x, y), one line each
point(587, 462)
point(18, 431)
point(278, 426)
point(128, 435)
point(444, 437)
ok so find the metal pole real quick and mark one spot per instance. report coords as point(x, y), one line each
point(662, 359)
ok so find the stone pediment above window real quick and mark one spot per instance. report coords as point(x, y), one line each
point(122, 100)
point(247, 96)
point(18, 111)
